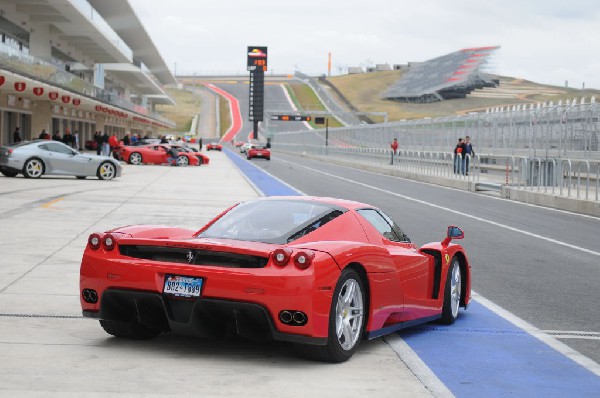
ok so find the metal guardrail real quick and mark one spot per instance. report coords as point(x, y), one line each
point(551, 176)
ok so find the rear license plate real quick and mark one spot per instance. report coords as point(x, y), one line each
point(182, 286)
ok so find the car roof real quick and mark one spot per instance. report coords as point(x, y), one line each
point(348, 204)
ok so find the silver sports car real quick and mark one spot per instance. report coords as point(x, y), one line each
point(35, 158)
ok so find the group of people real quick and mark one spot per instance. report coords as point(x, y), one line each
point(69, 139)
point(463, 152)
point(105, 143)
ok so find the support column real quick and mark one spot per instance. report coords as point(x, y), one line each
point(41, 118)
point(39, 41)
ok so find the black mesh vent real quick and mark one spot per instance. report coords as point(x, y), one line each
point(193, 256)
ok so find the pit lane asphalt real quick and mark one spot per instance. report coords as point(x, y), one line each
point(49, 350)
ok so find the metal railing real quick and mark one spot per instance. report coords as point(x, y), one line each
point(563, 177)
point(569, 129)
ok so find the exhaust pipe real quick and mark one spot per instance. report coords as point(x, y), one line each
point(299, 317)
point(285, 317)
point(89, 296)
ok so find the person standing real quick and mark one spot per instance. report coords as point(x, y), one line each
point(68, 138)
point(113, 143)
point(17, 136)
point(56, 136)
point(467, 154)
point(76, 141)
point(105, 144)
point(458, 153)
point(44, 135)
point(126, 140)
point(394, 146)
point(98, 140)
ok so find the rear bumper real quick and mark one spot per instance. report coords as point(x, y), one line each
point(199, 317)
point(9, 169)
point(250, 299)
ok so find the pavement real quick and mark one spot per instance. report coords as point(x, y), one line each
point(49, 350)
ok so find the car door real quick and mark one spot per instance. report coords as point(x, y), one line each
point(413, 268)
point(60, 159)
point(157, 154)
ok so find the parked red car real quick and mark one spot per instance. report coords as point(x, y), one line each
point(202, 158)
point(154, 154)
point(319, 272)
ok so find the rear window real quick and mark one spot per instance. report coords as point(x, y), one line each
point(272, 221)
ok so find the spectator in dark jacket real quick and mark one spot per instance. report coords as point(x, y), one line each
point(17, 136)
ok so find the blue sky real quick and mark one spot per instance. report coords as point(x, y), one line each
point(544, 41)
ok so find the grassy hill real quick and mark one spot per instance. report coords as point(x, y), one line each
point(188, 105)
point(364, 92)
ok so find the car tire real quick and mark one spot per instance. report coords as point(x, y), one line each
point(452, 293)
point(135, 158)
point(9, 173)
point(342, 345)
point(106, 171)
point(129, 330)
point(182, 161)
point(33, 168)
point(268, 158)
point(200, 160)
point(80, 177)
point(248, 157)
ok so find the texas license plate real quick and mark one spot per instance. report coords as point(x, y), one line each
point(182, 286)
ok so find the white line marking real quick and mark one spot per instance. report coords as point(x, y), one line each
point(564, 349)
point(557, 242)
point(417, 366)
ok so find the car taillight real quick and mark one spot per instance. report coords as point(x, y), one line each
point(108, 241)
point(94, 241)
point(282, 256)
point(303, 259)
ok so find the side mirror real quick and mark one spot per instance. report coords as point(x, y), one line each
point(453, 233)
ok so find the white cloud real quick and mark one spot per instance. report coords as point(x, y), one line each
point(545, 41)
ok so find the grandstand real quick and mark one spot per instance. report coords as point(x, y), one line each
point(450, 76)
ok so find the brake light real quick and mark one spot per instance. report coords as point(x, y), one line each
point(109, 242)
point(94, 241)
point(303, 259)
point(281, 256)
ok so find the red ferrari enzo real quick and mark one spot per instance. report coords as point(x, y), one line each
point(322, 273)
point(155, 154)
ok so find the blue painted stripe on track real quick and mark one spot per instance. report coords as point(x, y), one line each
point(482, 354)
point(265, 182)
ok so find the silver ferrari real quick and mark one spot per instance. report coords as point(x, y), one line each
point(36, 158)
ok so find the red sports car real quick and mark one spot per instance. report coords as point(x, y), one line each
point(214, 145)
point(258, 151)
point(319, 272)
point(202, 158)
point(155, 154)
